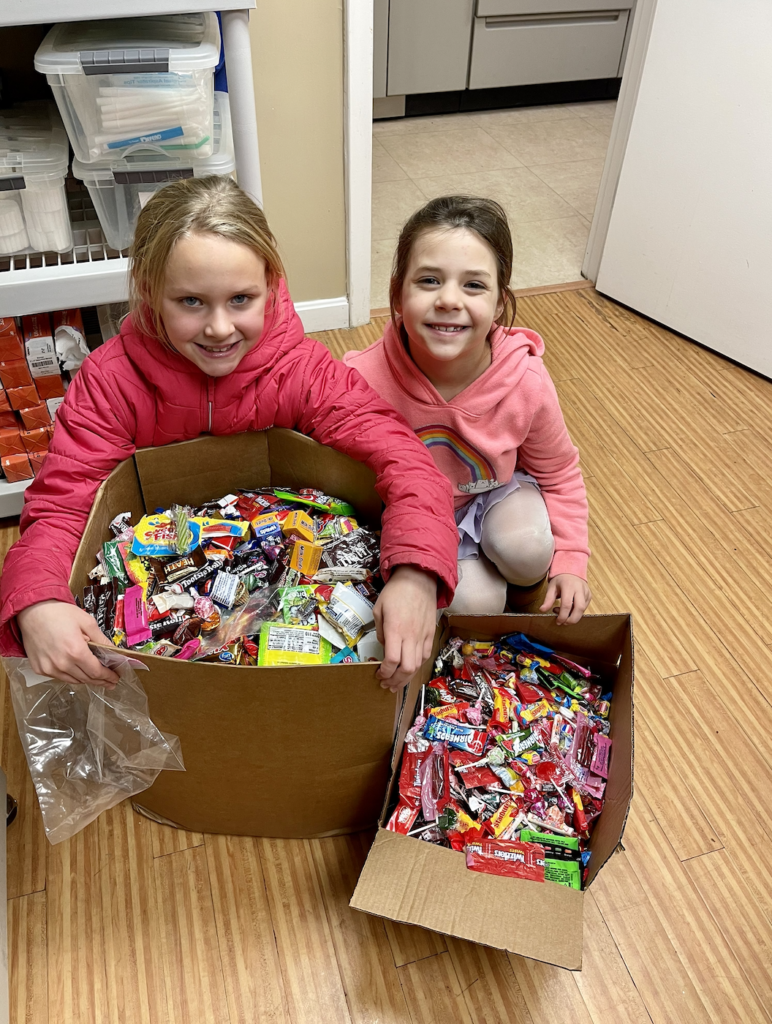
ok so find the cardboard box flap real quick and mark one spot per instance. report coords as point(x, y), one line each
point(298, 461)
point(608, 832)
point(120, 492)
point(193, 472)
point(418, 883)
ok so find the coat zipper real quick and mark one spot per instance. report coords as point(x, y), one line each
point(210, 389)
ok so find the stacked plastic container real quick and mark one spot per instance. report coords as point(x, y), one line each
point(33, 166)
point(120, 188)
point(137, 98)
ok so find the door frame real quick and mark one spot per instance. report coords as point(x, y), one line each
point(643, 18)
point(358, 150)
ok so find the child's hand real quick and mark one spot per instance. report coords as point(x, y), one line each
point(405, 621)
point(56, 637)
point(574, 596)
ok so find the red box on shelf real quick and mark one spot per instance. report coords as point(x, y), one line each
point(50, 387)
point(36, 460)
point(5, 405)
point(35, 416)
point(11, 442)
point(15, 374)
point(10, 342)
point(35, 440)
point(22, 398)
point(17, 467)
point(8, 419)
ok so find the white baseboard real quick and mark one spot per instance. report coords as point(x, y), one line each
point(323, 314)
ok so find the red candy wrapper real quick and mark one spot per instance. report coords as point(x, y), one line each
point(410, 776)
point(403, 818)
point(508, 858)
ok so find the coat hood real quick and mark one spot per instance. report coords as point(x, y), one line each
point(513, 352)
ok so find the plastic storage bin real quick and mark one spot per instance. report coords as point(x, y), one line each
point(120, 188)
point(34, 155)
point(126, 81)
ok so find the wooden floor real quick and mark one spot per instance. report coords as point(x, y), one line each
point(136, 923)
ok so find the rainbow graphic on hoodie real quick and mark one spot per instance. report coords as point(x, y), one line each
point(482, 472)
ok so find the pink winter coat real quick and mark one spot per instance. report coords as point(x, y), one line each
point(133, 393)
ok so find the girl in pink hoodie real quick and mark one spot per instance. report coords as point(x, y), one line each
point(214, 345)
point(476, 392)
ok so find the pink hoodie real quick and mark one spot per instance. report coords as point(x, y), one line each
point(508, 418)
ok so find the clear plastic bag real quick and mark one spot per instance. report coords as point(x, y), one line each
point(87, 747)
point(262, 606)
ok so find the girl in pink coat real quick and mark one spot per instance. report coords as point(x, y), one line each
point(214, 345)
point(478, 395)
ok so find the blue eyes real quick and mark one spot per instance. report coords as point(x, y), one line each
point(191, 302)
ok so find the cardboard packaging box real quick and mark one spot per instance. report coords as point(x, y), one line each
point(35, 416)
point(23, 398)
point(50, 387)
point(11, 442)
point(36, 460)
point(418, 883)
point(286, 752)
point(17, 467)
point(15, 374)
point(10, 342)
point(35, 440)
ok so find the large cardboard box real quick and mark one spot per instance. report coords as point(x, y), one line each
point(282, 752)
point(418, 883)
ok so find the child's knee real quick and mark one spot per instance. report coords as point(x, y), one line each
point(517, 537)
point(481, 589)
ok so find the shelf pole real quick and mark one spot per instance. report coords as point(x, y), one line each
point(241, 90)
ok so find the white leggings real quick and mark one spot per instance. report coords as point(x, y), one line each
point(516, 547)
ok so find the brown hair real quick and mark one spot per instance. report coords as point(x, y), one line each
point(483, 216)
point(214, 205)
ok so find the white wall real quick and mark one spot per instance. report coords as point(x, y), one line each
point(690, 237)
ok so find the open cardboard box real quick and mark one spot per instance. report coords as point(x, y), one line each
point(418, 883)
point(283, 752)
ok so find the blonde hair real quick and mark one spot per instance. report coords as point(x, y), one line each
point(213, 205)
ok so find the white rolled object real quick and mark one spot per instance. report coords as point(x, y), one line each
point(48, 220)
point(13, 233)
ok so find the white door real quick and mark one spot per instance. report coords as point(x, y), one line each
point(689, 242)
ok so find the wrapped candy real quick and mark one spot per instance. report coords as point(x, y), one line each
point(507, 759)
point(204, 583)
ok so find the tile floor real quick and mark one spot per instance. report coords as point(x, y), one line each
point(543, 164)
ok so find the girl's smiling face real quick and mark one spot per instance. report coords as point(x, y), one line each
point(213, 303)
point(450, 299)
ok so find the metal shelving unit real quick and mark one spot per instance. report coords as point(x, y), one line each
point(92, 273)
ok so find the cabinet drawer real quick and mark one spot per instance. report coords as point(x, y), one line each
point(428, 45)
point(527, 49)
point(494, 8)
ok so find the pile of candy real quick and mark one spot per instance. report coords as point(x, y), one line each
point(263, 577)
point(507, 760)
